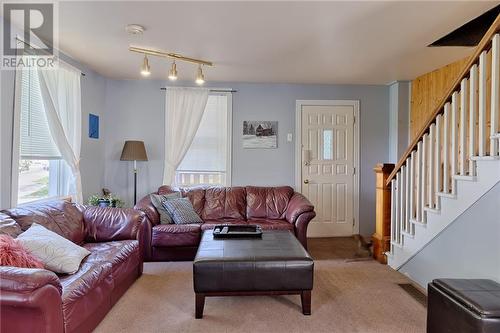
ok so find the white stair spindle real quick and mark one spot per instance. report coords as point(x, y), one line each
point(438, 180)
point(398, 207)
point(472, 117)
point(495, 86)
point(463, 125)
point(482, 105)
point(408, 194)
point(430, 163)
point(446, 143)
point(393, 210)
point(453, 139)
point(423, 179)
point(402, 202)
point(419, 176)
point(411, 210)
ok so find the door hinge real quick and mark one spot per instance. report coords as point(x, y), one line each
point(353, 222)
point(353, 171)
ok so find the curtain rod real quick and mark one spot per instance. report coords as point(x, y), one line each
point(31, 46)
point(212, 90)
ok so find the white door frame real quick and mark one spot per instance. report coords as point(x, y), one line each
point(356, 145)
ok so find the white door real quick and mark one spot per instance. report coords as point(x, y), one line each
point(327, 164)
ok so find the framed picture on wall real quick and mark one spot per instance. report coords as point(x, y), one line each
point(261, 134)
point(93, 126)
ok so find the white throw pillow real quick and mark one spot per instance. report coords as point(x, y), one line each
point(55, 252)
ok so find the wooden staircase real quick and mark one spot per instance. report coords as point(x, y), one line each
point(451, 163)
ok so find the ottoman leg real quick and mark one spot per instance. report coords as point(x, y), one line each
point(200, 303)
point(305, 297)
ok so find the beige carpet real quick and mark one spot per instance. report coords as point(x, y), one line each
point(359, 296)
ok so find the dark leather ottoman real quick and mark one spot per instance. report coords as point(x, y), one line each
point(463, 306)
point(277, 264)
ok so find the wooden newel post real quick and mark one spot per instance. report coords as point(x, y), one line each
point(382, 236)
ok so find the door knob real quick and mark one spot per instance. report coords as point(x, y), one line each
point(306, 181)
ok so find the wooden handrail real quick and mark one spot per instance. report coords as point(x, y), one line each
point(483, 45)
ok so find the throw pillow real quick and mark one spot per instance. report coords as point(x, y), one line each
point(55, 252)
point(182, 211)
point(12, 253)
point(157, 200)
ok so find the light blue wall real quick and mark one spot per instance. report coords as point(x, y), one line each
point(468, 248)
point(135, 110)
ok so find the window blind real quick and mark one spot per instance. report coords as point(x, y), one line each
point(36, 141)
point(208, 152)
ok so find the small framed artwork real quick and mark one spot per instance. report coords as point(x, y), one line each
point(260, 134)
point(93, 126)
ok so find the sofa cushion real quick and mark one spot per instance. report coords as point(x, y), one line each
point(268, 202)
point(85, 292)
point(210, 224)
point(55, 252)
point(269, 224)
point(8, 226)
point(195, 194)
point(157, 201)
point(60, 216)
point(124, 257)
point(171, 235)
point(224, 202)
point(182, 211)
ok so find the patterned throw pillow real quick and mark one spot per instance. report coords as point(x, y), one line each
point(157, 199)
point(55, 252)
point(182, 211)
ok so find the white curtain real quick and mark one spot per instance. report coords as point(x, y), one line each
point(61, 95)
point(183, 113)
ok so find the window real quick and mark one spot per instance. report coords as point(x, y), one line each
point(41, 168)
point(208, 160)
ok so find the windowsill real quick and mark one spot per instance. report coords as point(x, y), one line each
point(64, 198)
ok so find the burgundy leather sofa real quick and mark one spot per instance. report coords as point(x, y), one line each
point(38, 300)
point(273, 208)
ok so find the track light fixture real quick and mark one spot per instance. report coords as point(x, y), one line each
point(172, 73)
point(145, 69)
point(200, 78)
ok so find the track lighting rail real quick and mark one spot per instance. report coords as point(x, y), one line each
point(171, 55)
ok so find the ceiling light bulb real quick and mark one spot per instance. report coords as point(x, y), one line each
point(172, 74)
point(200, 78)
point(145, 69)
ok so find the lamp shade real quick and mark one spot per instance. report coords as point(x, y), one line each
point(134, 151)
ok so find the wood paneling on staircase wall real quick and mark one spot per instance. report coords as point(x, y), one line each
point(427, 91)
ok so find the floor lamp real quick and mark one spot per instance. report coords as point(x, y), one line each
point(134, 151)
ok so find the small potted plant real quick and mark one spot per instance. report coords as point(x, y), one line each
point(107, 199)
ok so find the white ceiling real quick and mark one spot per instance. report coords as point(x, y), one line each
point(289, 42)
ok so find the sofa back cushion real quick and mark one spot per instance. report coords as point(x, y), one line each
point(195, 194)
point(8, 226)
point(224, 203)
point(268, 202)
point(60, 216)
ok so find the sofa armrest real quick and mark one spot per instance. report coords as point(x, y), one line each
point(300, 212)
point(145, 205)
point(103, 224)
point(21, 280)
point(30, 300)
point(298, 204)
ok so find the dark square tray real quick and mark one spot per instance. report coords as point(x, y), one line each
point(237, 231)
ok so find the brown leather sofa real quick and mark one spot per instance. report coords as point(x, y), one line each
point(38, 300)
point(273, 208)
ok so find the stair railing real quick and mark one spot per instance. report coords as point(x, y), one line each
point(464, 127)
